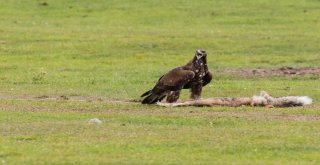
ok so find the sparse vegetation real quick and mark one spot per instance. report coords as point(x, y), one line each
point(107, 52)
point(38, 77)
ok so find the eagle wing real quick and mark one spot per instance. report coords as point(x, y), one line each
point(171, 81)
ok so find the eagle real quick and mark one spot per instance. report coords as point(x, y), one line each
point(194, 75)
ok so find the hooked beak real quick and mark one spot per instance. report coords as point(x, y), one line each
point(199, 56)
point(200, 53)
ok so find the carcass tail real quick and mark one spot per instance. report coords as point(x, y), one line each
point(287, 101)
point(299, 100)
point(305, 100)
point(290, 101)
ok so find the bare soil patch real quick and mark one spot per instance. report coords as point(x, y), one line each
point(65, 98)
point(172, 112)
point(264, 72)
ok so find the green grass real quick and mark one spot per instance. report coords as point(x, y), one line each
point(117, 49)
point(58, 133)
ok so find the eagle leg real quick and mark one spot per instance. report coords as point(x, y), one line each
point(173, 96)
point(196, 90)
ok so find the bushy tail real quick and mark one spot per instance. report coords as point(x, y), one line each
point(286, 101)
point(151, 97)
point(304, 100)
point(290, 101)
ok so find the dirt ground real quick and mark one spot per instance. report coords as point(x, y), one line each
point(284, 71)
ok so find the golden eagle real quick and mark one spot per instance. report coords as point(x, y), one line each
point(194, 75)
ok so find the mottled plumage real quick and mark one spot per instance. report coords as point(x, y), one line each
point(194, 75)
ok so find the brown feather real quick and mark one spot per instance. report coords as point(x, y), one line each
point(194, 75)
point(172, 81)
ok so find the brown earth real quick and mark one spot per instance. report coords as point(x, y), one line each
point(65, 98)
point(171, 112)
point(284, 71)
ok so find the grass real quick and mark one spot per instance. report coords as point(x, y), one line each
point(57, 133)
point(117, 49)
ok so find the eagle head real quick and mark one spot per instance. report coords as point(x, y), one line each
point(200, 53)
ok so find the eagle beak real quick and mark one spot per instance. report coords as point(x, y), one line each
point(200, 53)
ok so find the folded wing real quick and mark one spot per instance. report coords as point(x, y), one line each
point(171, 81)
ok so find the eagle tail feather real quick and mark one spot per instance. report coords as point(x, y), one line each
point(146, 93)
point(152, 98)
